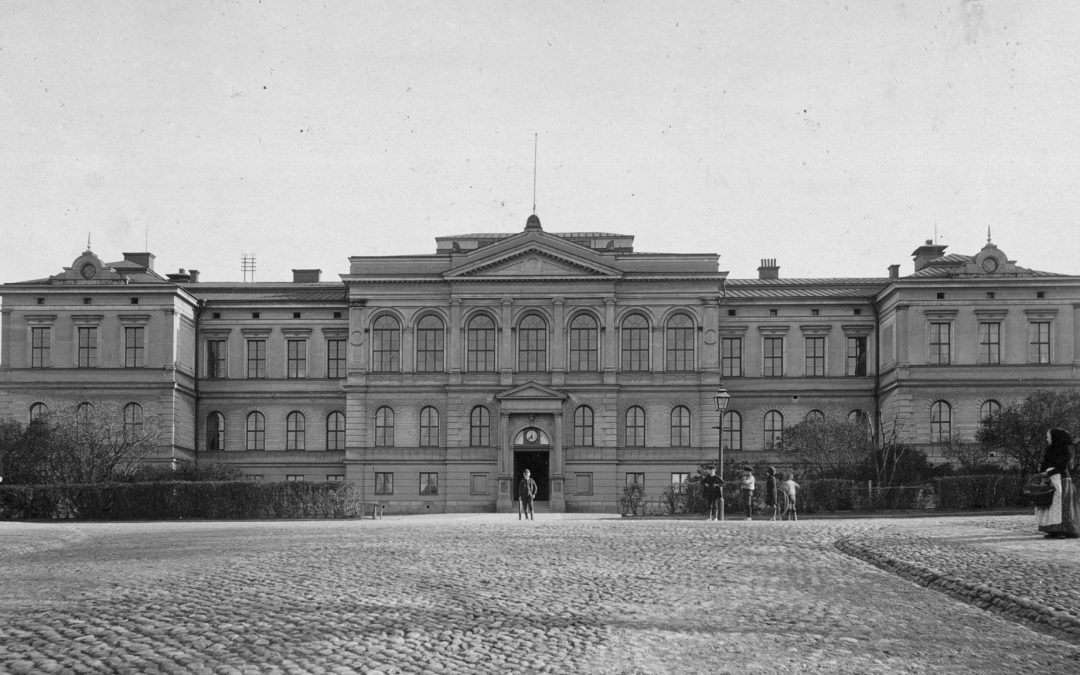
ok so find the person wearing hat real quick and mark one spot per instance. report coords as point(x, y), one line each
point(747, 486)
point(712, 489)
point(770, 491)
point(526, 493)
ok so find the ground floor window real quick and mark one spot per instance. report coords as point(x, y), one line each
point(584, 484)
point(429, 483)
point(253, 477)
point(635, 479)
point(478, 485)
point(335, 477)
point(679, 481)
point(384, 483)
point(294, 476)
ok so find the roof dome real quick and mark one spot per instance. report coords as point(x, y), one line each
point(533, 223)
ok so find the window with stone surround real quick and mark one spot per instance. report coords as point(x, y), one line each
point(635, 427)
point(634, 339)
point(583, 426)
point(335, 358)
point(256, 432)
point(429, 483)
point(480, 345)
point(384, 427)
point(774, 430)
point(815, 356)
point(384, 483)
point(584, 344)
point(430, 345)
point(732, 431)
point(296, 359)
point(429, 427)
point(335, 431)
point(40, 347)
point(679, 346)
point(215, 432)
point(532, 344)
point(731, 357)
point(479, 427)
point(680, 427)
point(990, 342)
point(386, 345)
point(295, 431)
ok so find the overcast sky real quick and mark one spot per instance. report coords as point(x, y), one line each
point(835, 137)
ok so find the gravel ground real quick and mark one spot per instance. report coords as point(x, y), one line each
point(581, 594)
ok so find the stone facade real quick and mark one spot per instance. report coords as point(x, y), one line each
point(432, 380)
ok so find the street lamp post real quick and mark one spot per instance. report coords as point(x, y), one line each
point(721, 399)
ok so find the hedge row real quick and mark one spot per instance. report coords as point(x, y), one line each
point(979, 492)
point(174, 500)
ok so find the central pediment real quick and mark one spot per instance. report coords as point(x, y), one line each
point(534, 255)
point(531, 391)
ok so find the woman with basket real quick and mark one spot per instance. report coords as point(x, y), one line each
point(1061, 518)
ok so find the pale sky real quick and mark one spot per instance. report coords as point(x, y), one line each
point(835, 137)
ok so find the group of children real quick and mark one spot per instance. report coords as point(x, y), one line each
point(775, 486)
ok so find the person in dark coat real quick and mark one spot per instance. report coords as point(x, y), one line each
point(526, 493)
point(770, 491)
point(1062, 518)
point(712, 489)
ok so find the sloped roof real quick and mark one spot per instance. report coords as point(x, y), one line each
point(804, 288)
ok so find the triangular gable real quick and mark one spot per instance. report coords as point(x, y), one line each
point(533, 254)
point(531, 391)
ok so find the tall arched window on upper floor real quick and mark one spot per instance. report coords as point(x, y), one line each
point(774, 430)
point(335, 431)
point(215, 432)
point(295, 431)
point(680, 427)
point(584, 344)
point(583, 426)
point(256, 431)
point(731, 428)
point(532, 344)
point(480, 344)
point(430, 345)
point(679, 347)
point(386, 345)
point(38, 411)
point(635, 427)
point(989, 411)
point(479, 427)
point(634, 344)
point(384, 427)
point(133, 422)
point(940, 422)
point(429, 427)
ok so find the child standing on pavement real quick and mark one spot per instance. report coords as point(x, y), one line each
point(747, 486)
point(789, 487)
point(770, 492)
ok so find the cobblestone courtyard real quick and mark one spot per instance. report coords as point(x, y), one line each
point(487, 593)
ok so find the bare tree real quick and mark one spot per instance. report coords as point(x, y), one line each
point(830, 446)
point(1018, 432)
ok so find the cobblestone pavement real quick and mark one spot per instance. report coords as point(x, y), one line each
point(487, 593)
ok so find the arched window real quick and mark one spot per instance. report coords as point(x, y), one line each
point(634, 341)
point(532, 344)
point(215, 432)
point(635, 427)
point(940, 422)
point(386, 345)
point(335, 431)
point(256, 431)
point(480, 345)
point(479, 427)
point(429, 427)
point(38, 411)
point(583, 426)
point(430, 341)
point(384, 427)
point(133, 422)
point(680, 427)
point(83, 413)
point(732, 431)
point(815, 416)
point(584, 344)
point(774, 430)
point(989, 411)
point(295, 431)
point(680, 343)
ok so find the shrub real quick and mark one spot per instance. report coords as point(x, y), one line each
point(980, 491)
point(826, 494)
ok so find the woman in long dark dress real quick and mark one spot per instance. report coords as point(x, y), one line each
point(1062, 518)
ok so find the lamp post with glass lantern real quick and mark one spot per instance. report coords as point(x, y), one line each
point(721, 399)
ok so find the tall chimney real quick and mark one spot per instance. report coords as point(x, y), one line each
point(894, 271)
point(769, 269)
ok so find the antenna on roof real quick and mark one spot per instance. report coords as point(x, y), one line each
point(935, 234)
point(536, 146)
point(247, 264)
point(87, 241)
point(987, 234)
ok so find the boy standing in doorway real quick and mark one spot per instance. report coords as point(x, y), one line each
point(526, 493)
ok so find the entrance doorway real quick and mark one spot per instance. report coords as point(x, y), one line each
point(536, 461)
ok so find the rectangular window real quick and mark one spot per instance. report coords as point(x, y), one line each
point(256, 359)
point(335, 358)
point(335, 478)
point(731, 357)
point(134, 347)
point(296, 367)
point(815, 356)
point(679, 481)
point(40, 346)
point(773, 349)
point(294, 477)
point(429, 346)
point(384, 483)
point(635, 479)
point(1039, 342)
point(856, 356)
point(429, 483)
point(88, 347)
point(478, 484)
point(990, 342)
point(940, 344)
point(583, 483)
point(215, 358)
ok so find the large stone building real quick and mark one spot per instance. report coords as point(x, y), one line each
point(432, 380)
